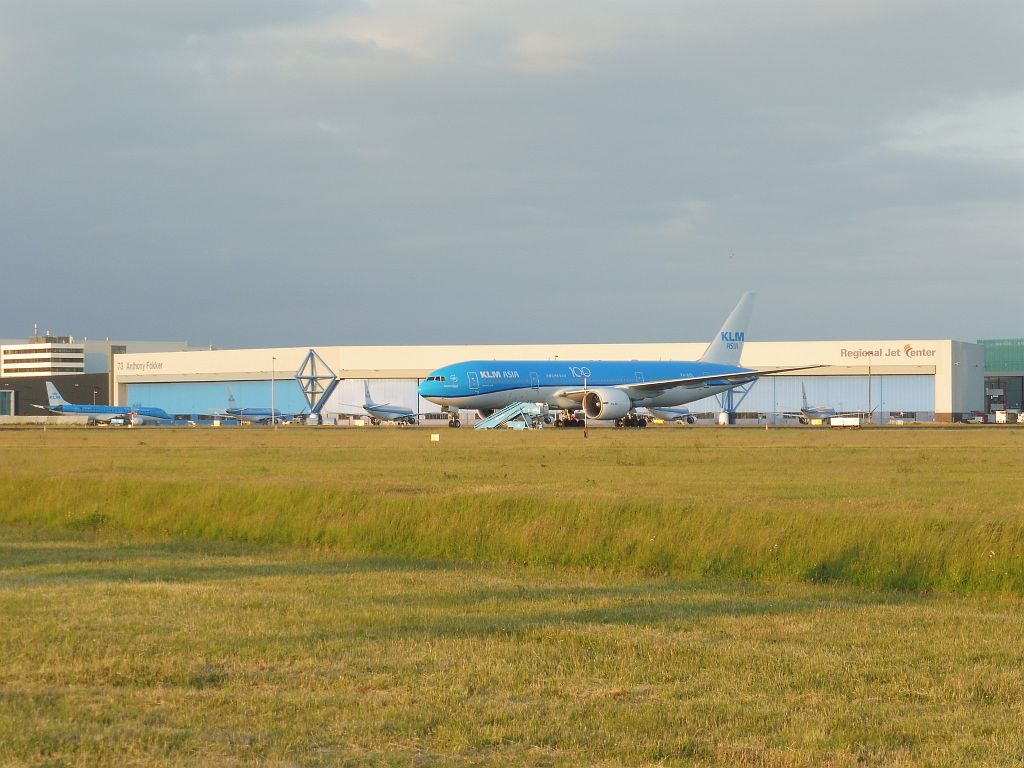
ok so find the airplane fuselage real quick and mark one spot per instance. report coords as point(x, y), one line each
point(253, 414)
point(673, 414)
point(488, 384)
point(389, 412)
point(108, 412)
point(819, 413)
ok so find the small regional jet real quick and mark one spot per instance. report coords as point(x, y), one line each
point(255, 415)
point(604, 389)
point(678, 415)
point(380, 412)
point(809, 413)
point(139, 414)
point(386, 411)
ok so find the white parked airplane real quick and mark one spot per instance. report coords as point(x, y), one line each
point(809, 413)
point(678, 415)
point(380, 412)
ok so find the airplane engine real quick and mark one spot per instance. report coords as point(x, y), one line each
point(483, 413)
point(606, 403)
point(687, 419)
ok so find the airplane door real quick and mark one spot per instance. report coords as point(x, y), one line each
point(639, 377)
point(535, 380)
point(474, 382)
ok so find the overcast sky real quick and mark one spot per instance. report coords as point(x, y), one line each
point(261, 172)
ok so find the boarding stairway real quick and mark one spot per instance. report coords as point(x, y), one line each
point(531, 415)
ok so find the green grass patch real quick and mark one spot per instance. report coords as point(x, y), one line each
point(926, 511)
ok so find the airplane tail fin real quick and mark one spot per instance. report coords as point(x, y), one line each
point(803, 391)
point(366, 389)
point(231, 397)
point(53, 396)
point(727, 346)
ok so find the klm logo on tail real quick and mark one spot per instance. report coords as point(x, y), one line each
point(53, 396)
point(727, 346)
point(732, 339)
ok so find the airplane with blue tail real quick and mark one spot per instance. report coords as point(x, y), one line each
point(138, 414)
point(603, 389)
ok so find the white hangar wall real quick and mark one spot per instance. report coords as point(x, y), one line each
point(954, 369)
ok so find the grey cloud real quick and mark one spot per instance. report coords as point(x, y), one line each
point(279, 173)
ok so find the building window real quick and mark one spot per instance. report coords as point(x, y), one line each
point(6, 402)
point(46, 351)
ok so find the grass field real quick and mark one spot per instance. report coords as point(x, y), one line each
point(668, 597)
point(929, 511)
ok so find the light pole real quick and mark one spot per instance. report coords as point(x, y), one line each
point(273, 407)
point(586, 426)
point(870, 409)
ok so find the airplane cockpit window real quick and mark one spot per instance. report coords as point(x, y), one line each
point(435, 378)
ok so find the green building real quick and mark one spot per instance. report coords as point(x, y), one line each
point(1004, 374)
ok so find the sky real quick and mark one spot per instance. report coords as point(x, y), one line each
point(267, 173)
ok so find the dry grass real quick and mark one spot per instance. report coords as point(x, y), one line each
point(323, 597)
point(178, 655)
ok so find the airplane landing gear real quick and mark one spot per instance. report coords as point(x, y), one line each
point(631, 420)
point(568, 419)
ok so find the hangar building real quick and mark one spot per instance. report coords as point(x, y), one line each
point(940, 380)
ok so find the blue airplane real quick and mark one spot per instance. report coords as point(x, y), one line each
point(604, 389)
point(139, 414)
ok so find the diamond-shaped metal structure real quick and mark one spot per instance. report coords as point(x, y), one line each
point(317, 381)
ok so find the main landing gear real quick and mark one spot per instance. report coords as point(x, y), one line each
point(632, 420)
point(568, 419)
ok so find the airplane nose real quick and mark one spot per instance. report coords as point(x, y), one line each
point(430, 387)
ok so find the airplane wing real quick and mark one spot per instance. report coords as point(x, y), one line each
point(641, 389)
